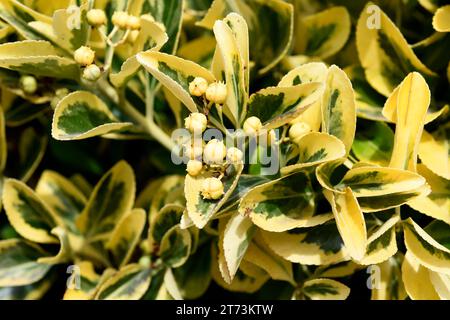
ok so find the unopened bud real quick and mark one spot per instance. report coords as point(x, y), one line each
point(133, 23)
point(212, 188)
point(196, 122)
point(217, 92)
point(234, 155)
point(84, 55)
point(92, 72)
point(252, 125)
point(96, 17)
point(198, 86)
point(28, 84)
point(194, 167)
point(120, 19)
point(215, 151)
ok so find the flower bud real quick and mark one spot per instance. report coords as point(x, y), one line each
point(120, 19)
point(252, 125)
point(84, 55)
point(96, 17)
point(298, 130)
point(198, 86)
point(92, 72)
point(212, 188)
point(194, 167)
point(28, 84)
point(214, 153)
point(196, 122)
point(193, 151)
point(145, 261)
point(133, 22)
point(217, 92)
point(234, 155)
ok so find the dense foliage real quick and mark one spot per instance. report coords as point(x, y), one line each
point(331, 178)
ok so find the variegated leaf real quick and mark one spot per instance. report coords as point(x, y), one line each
point(384, 53)
point(437, 203)
point(416, 279)
point(39, 58)
point(261, 255)
point(111, 199)
point(27, 213)
point(325, 289)
point(165, 219)
point(71, 37)
point(270, 41)
point(306, 73)
point(175, 74)
point(323, 34)
point(434, 150)
point(61, 196)
point(18, 263)
point(281, 204)
point(125, 236)
point(238, 234)
point(338, 107)
point(82, 115)
point(308, 245)
point(425, 249)
point(350, 221)
point(129, 283)
point(316, 148)
point(276, 106)
point(175, 247)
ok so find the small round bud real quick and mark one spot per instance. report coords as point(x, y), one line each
point(196, 122)
point(145, 261)
point(96, 17)
point(212, 188)
point(298, 130)
point(194, 167)
point(193, 151)
point(252, 125)
point(217, 92)
point(28, 84)
point(198, 86)
point(133, 22)
point(234, 155)
point(84, 55)
point(120, 19)
point(214, 153)
point(92, 72)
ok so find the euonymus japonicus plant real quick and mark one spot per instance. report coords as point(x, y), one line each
point(347, 101)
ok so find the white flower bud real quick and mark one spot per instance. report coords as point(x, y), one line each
point(145, 261)
point(214, 153)
point(198, 86)
point(193, 151)
point(120, 19)
point(212, 188)
point(96, 17)
point(217, 92)
point(133, 22)
point(28, 84)
point(196, 122)
point(298, 130)
point(92, 72)
point(194, 167)
point(234, 155)
point(84, 55)
point(252, 125)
